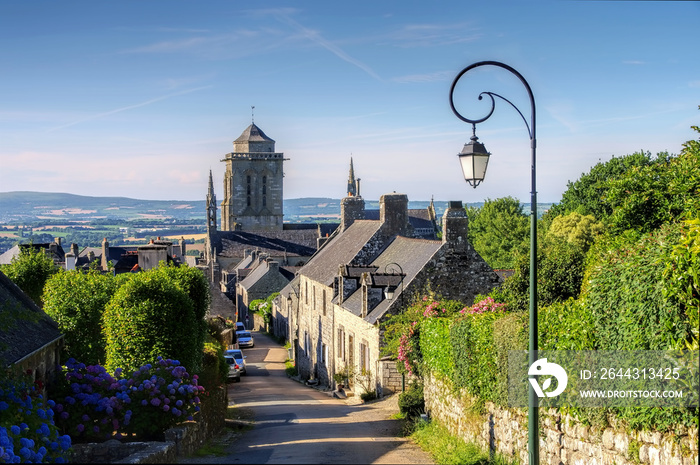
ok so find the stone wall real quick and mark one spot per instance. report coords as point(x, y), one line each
point(563, 440)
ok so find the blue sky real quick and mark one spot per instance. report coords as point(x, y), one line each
point(142, 99)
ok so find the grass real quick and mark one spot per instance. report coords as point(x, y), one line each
point(447, 449)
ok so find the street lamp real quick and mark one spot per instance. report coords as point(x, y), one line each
point(474, 159)
point(390, 290)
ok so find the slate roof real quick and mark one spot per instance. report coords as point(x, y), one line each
point(25, 327)
point(253, 134)
point(59, 256)
point(233, 244)
point(419, 218)
point(411, 255)
point(340, 251)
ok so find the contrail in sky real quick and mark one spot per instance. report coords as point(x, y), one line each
point(130, 107)
point(312, 35)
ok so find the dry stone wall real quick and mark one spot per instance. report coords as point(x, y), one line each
point(563, 440)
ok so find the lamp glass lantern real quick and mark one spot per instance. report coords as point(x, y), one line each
point(474, 159)
point(389, 292)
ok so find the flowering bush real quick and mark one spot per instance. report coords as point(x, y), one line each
point(485, 306)
point(95, 405)
point(27, 430)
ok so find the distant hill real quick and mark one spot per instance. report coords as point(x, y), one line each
point(26, 206)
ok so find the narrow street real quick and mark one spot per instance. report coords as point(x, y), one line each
point(294, 423)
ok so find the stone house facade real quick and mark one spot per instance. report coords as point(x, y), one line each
point(369, 270)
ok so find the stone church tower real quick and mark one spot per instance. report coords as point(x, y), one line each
point(253, 184)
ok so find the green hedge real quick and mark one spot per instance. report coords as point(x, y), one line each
point(76, 301)
point(435, 346)
point(150, 317)
point(626, 295)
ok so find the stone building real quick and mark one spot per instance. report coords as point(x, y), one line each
point(29, 339)
point(371, 269)
point(252, 220)
point(253, 184)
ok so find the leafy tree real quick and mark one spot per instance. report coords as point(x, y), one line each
point(580, 230)
point(150, 316)
point(645, 197)
point(560, 271)
point(587, 194)
point(29, 271)
point(76, 301)
point(498, 230)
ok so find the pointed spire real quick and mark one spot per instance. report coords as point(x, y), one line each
point(211, 184)
point(352, 183)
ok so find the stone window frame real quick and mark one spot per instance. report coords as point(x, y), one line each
point(341, 343)
point(364, 358)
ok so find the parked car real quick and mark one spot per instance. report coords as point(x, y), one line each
point(240, 326)
point(234, 371)
point(237, 354)
point(245, 339)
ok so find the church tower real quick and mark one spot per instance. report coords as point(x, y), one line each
point(253, 184)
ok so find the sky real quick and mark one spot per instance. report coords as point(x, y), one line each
point(141, 99)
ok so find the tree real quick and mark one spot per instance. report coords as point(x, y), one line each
point(29, 271)
point(587, 195)
point(77, 301)
point(150, 316)
point(646, 197)
point(580, 230)
point(498, 230)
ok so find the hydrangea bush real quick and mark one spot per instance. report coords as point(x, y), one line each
point(27, 429)
point(95, 405)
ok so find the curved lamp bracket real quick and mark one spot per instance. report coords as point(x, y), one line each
point(474, 122)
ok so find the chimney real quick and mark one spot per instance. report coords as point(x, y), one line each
point(58, 241)
point(183, 245)
point(393, 214)
point(105, 254)
point(70, 261)
point(351, 209)
point(455, 225)
point(74, 249)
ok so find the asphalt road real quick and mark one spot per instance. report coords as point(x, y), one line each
point(294, 423)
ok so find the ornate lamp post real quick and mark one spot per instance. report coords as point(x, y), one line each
point(474, 159)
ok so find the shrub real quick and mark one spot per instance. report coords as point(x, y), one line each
point(77, 301)
point(471, 338)
point(94, 405)
point(30, 270)
point(626, 298)
point(27, 429)
point(148, 317)
point(411, 401)
point(214, 367)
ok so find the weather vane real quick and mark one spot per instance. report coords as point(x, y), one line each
point(252, 113)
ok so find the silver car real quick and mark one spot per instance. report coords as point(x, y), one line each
point(245, 339)
point(237, 355)
point(234, 371)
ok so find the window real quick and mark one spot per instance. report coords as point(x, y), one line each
point(306, 293)
point(323, 302)
point(341, 343)
point(324, 355)
point(364, 356)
